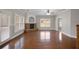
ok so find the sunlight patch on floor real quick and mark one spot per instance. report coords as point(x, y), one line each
point(60, 36)
point(45, 36)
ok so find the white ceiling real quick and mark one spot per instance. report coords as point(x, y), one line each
point(43, 11)
point(37, 11)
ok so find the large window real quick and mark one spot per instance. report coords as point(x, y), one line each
point(19, 23)
point(16, 23)
point(44, 22)
point(10, 24)
point(4, 27)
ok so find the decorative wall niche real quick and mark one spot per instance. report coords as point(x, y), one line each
point(32, 19)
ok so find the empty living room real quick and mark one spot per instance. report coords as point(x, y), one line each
point(39, 28)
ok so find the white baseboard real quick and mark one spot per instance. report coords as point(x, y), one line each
point(46, 29)
point(16, 34)
point(69, 35)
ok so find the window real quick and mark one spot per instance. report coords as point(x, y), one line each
point(4, 27)
point(19, 23)
point(44, 22)
point(16, 25)
point(31, 19)
point(0, 28)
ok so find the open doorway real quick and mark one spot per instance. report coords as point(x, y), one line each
point(59, 24)
point(60, 28)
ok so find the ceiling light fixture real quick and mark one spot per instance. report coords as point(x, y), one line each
point(48, 12)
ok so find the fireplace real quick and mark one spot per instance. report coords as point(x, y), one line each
point(32, 26)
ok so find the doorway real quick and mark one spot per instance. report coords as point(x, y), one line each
point(59, 24)
point(60, 28)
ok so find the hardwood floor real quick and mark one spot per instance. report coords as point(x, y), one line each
point(41, 40)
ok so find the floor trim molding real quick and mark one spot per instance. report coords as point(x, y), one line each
point(7, 40)
point(69, 35)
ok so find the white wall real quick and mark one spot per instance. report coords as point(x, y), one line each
point(30, 15)
point(52, 18)
point(70, 18)
point(37, 21)
point(74, 21)
point(66, 22)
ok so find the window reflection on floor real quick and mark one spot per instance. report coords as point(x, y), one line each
point(45, 36)
point(19, 43)
point(6, 47)
point(60, 36)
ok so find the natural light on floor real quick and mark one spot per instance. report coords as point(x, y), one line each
point(45, 36)
point(60, 36)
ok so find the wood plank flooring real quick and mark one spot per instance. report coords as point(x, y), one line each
point(41, 40)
